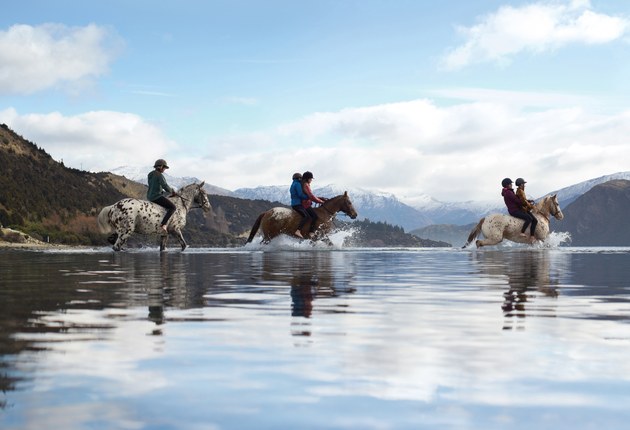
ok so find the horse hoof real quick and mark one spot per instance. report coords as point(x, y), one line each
point(184, 248)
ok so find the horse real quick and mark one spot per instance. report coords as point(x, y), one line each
point(140, 216)
point(279, 220)
point(496, 227)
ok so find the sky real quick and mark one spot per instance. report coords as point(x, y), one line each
point(409, 97)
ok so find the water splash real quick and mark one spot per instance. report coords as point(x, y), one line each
point(289, 243)
point(554, 240)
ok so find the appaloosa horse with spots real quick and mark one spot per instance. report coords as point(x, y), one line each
point(497, 227)
point(140, 216)
point(279, 221)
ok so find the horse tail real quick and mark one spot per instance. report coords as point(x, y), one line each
point(474, 233)
point(255, 227)
point(103, 221)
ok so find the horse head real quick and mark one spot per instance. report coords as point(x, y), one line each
point(549, 207)
point(201, 198)
point(347, 207)
point(554, 207)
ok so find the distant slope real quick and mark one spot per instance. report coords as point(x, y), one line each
point(456, 235)
point(457, 213)
point(140, 175)
point(373, 205)
point(599, 217)
point(569, 194)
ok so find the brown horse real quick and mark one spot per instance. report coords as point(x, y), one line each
point(496, 227)
point(279, 221)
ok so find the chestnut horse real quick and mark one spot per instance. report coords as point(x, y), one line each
point(279, 221)
point(496, 227)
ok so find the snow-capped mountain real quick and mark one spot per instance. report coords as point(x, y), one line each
point(569, 194)
point(407, 212)
point(140, 175)
point(459, 213)
point(374, 205)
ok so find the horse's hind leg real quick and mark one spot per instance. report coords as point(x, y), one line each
point(489, 241)
point(163, 240)
point(180, 238)
point(120, 242)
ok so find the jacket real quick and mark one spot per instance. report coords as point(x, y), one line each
point(297, 195)
point(156, 184)
point(511, 201)
point(525, 205)
point(311, 198)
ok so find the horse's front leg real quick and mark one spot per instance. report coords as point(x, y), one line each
point(163, 240)
point(180, 237)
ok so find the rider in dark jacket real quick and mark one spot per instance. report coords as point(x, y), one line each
point(157, 183)
point(297, 195)
point(513, 204)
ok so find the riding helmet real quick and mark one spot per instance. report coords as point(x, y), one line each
point(506, 182)
point(160, 163)
point(520, 181)
point(297, 176)
point(307, 175)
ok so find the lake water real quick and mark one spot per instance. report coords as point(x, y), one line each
point(500, 338)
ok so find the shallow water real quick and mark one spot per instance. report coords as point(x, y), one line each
point(508, 337)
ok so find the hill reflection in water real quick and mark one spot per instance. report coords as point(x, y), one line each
point(387, 338)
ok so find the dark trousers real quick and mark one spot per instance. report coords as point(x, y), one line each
point(528, 218)
point(307, 213)
point(168, 205)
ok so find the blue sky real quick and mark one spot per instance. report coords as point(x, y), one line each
point(443, 98)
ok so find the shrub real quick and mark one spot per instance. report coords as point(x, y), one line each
point(14, 237)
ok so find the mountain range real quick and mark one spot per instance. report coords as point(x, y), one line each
point(411, 213)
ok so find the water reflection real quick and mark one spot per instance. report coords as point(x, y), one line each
point(396, 339)
point(528, 276)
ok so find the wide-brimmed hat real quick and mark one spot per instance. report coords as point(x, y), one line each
point(161, 163)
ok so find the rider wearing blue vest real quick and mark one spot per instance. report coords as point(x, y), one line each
point(297, 195)
point(156, 184)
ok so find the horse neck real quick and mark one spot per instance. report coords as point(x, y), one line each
point(334, 204)
point(542, 208)
point(188, 193)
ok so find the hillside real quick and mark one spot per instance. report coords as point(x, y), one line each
point(381, 234)
point(48, 201)
point(599, 217)
point(456, 235)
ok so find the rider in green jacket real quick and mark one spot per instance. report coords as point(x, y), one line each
point(157, 185)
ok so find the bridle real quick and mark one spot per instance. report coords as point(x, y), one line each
point(184, 200)
point(556, 207)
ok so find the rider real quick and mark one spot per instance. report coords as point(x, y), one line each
point(513, 204)
point(297, 196)
point(157, 183)
point(307, 178)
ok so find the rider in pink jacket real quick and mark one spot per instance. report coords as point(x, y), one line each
point(513, 204)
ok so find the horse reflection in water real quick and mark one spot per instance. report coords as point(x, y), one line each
point(528, 276)
point(317, 280)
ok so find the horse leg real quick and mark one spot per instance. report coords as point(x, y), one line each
point(163, 240)
point(122, 239)
point(182, 242)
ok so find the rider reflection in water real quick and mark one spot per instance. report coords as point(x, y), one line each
point(157, 185)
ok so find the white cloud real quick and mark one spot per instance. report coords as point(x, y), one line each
point(54, 56)
point(96, 140)
point(456, 153)
point(536, 27)
point(453, 153)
